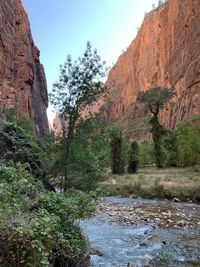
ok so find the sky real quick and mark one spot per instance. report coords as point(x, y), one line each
point(62, 27)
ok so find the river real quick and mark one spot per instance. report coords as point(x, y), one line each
point(142, 231)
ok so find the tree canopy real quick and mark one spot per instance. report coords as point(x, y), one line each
point(80, 83)
point(155, 98)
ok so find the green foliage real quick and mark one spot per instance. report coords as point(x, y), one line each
point(154, 100)
point(19, 146)
point(133, 160)
point(89, 154)
point(23, 121)
point(158, 132)
point(146, 154)
point(47, 146)
point(182, 145)
point(37, 227)
point(79, 86)
point(116, 144)
point(79, 83)
point(9, 114)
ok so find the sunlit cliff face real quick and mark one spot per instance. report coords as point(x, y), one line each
point(22, 78)
point(165, 53)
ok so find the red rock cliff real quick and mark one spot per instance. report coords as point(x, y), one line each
point(22, 78)
point(166, 52)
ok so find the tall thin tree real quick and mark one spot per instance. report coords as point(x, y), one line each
point(80, 85)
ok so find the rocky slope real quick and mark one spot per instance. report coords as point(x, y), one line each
point(22, 78)
point(166, 52)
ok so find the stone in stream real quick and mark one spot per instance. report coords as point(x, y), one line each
point(147, 263)
point(164, 242)
point(150, 237)
point(131, 264)
point(94, 251)
point(176, 199)
point(143, 244)
point(182, 223)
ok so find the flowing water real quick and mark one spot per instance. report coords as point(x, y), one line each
point(140, 231)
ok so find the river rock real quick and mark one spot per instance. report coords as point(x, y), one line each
point(147, 263)
point(94, 251)
point(150, 237)
point(181, 223)
point(176, 199)
point(131, 264)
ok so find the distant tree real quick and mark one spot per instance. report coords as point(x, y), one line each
point(154, 99)
point(80, 85)
point(133, 160)
point(117, 161)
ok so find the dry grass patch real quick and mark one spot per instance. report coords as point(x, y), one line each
point(151, 182)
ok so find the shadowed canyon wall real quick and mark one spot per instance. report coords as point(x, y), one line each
point(165, 52)
point(22, 77)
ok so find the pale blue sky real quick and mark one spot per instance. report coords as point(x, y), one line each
point(62, 27)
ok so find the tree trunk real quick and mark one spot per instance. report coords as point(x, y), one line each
point(157, 139)
point(69, 140)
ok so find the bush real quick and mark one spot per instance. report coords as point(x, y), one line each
point(146, 154)
point(116, 144)
point(37, 227)
point(89, 155)
point(133, 160)
point(182, 146)
point(21, 146)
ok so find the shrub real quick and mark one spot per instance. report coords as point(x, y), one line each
point(18, 145)
point(37, 227)
point(146, 154)
point(133, 160)
point(89, 155)
point(182, 146)
point(116, 144)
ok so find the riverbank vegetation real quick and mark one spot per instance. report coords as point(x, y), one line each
point(150, 182)
point(38, 227)
point(179, 176)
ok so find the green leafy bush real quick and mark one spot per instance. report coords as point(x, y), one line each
point(116, 145)
point(89, 155)
point(38, 228)
point(133, 158)
point(146, 154)
point(182, 145)
point(19, 145)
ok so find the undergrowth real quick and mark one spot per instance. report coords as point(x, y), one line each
point(39, 228)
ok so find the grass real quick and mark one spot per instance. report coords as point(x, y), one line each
point(149, 182)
